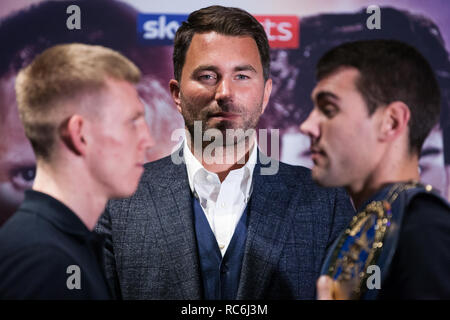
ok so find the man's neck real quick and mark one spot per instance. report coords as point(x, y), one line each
point(224, 159)
point(87, 204)
point(407, 171)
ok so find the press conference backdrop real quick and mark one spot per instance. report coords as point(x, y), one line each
point(299, 33)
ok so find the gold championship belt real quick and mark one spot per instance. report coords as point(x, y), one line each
point(361, 244)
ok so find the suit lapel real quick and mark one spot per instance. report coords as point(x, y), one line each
point(267, 230)
point(177, 234)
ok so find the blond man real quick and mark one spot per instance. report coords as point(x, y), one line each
point(85, 121)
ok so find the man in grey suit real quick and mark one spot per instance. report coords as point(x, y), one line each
point(212, 221)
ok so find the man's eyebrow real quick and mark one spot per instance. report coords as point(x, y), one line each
point(324, 95)
point(205, 68)
point(245, 67)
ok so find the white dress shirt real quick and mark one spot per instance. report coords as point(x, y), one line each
point(223, 203)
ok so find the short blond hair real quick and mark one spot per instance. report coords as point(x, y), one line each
point(59, 75)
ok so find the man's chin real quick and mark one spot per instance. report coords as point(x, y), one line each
point(125, 192)
point(222, 125)
point(322, 178)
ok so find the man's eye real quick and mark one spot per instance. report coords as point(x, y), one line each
point(207, 77)
point(23, 178)
point(328, 110)
point(242, 77)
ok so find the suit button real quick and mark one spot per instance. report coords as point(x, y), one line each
point(224, 269)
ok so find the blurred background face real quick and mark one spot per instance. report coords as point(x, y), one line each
point(161, 116)
point(17, 160)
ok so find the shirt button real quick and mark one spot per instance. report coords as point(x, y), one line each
point(223, 205)
point(221, 246)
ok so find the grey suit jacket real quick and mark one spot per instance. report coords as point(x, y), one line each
point(151, 250)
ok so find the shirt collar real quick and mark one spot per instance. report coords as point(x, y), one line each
point(193, 165)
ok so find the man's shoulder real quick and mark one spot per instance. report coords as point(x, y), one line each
point(288, 171)
point(427, 215)
point(37, 270)
point(295, 176)
point(163, 168)
point(298, 180)
point(23, 229)
point(157, 174)
point(28, 231)
point(428, 209)
point(27, 240)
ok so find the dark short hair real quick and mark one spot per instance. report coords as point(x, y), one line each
point(223, 20)
point(390, 70)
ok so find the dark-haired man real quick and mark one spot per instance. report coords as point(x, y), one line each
point(374, 104)
point(293, 72)
point(216, 223)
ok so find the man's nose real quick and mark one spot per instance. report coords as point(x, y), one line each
point(223, 89)
point(310, 126)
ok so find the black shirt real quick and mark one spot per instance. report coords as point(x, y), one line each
point(420, 268)
point(46, 252)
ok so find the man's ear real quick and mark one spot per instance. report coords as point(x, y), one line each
point(174, 87)
point(72, 134)
point(267, 92)
point(395, 120)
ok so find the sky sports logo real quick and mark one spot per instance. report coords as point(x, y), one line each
point(160, 29)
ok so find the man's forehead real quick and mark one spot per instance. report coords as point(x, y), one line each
point(212, 46)
point(207, 38)
point(343, 79)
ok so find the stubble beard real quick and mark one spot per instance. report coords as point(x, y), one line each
point(233, 132)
